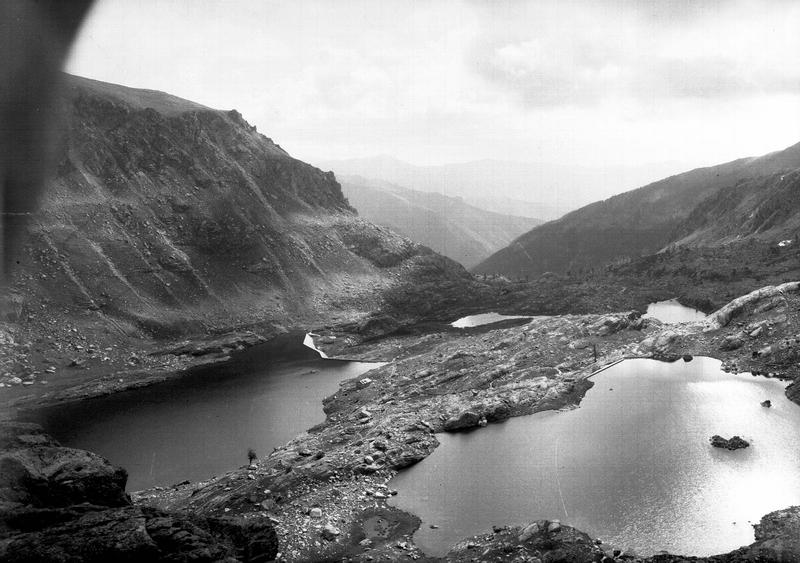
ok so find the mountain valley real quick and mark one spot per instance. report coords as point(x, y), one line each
point(173, 236)
point(449, 226)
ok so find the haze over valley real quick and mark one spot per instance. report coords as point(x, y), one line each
point(448, 225)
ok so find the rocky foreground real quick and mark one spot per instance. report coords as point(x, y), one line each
point(326, 491)
point(61, 504)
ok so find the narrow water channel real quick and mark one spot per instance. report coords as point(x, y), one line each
point(203, 423)
point(483, 319)
point(632, 465)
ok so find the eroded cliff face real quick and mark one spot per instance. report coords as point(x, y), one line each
point(169, 217)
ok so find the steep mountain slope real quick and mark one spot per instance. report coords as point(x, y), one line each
point(765, 208)
point(683, 208)
point(446, 224)
point(167, 218)
point(528, 189)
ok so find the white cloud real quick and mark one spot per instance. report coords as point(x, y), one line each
point(435, 81)
point(582, 54)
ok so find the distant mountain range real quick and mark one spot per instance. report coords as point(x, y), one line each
point(448, 225)
point(528, 189)
point(749, 198)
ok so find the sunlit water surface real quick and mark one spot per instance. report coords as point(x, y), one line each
point(202, 424)
point(673, 312)
point(632, 465)
point(483, 319)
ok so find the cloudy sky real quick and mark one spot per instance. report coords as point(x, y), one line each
point(599, 83)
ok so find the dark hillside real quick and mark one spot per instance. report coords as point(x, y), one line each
point(645, 220)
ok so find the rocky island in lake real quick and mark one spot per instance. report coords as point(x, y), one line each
point(733, 443)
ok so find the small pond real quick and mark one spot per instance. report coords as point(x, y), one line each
point(483, 319)
point(632, 465)
point(671, 311)
point(203, 423)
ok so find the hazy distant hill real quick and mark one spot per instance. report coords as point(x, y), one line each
point(447, 225)
point(750, 197)
point(528, 189)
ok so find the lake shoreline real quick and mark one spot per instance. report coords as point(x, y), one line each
point(296, 477)
point(373, 431)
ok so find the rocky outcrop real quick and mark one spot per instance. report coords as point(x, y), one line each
point(723, 316)
point(734, 443)
point(463, 421)
point(610, 324)
point(777, 538)
point(61, 504)
point(52, 475)
point(662, 346)
point(542, 540)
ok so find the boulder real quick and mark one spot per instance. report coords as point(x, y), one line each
point(528, 532)
point(36, 471)
point(329, 532)
point(732, 342)
point(661, 346)
point(61, 504)
point(611, 324)
point(463, 421)
point(766, 403)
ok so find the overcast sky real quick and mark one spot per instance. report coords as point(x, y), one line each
point(591, 82)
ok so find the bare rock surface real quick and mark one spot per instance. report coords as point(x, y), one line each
point(61, 504)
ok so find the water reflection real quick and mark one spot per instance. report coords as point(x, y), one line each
point(202, 424)
point(632, 465)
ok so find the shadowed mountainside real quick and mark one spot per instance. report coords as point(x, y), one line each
point(529, 189)
point(448, 225)
point(749, 197)
point(167, 220)
point(167, 215)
